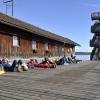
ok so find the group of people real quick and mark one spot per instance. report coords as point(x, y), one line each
point(68, 60)
point(19, 66)
point(46, 63)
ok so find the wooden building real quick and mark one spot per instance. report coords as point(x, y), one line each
point(21, 39)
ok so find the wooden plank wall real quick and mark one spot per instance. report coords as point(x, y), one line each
point(5, 45)
point(68, 50)
point(8, 50)
point(25, 48)
point(40, 49)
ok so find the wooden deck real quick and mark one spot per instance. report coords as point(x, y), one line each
point(70, 82)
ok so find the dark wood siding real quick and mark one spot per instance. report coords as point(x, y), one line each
point(25, 48)
point(5, 45)
point(40, 49)
point(8, 50)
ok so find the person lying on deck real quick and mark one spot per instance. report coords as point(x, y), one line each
point(74, 59)
point(68, 60)
point(46, 63)
point(7, 66)
point(20, 66)
point(16, 66)
point(32, 63)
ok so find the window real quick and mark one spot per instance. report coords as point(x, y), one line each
point(68, 50)
point(46, 46)
point(62, 49)
point(34, 45)
point(16, 41)
point(71, 50)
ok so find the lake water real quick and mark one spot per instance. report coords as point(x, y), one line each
point(83, 57)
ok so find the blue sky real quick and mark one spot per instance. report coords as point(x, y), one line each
point(68, 18)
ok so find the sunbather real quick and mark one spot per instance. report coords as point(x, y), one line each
point(32, 63)
point(46, 63)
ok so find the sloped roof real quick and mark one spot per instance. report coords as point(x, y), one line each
point(5, 19)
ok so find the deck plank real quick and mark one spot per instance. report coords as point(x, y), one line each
point(68, 82)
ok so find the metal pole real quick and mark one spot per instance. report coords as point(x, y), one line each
point(6, 9)
point(12, 1)
point(12, 8)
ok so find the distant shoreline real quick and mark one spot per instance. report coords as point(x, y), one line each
point(82, 53)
